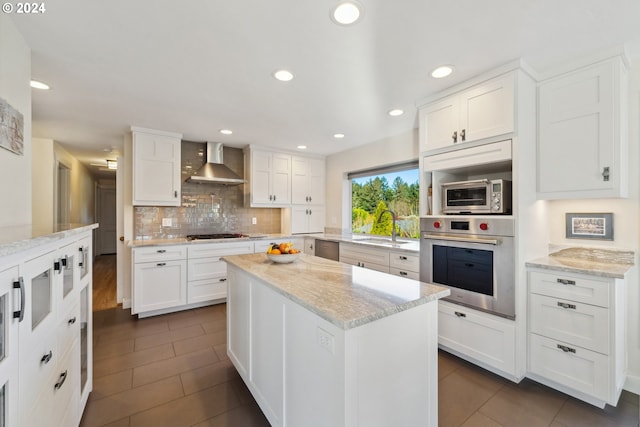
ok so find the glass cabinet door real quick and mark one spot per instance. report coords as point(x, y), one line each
point(9, 346)
point(40, 275)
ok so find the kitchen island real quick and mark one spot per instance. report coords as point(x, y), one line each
point(322, 343)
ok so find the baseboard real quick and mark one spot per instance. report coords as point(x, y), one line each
point(632, 384)
point(126, 303)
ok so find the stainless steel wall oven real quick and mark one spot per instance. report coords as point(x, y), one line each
point(472, 256)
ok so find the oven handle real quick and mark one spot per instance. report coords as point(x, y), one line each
point(480, 240)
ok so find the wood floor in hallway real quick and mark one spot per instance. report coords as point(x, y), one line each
point(104, 282)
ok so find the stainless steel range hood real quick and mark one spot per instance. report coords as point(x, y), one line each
point(214, 171)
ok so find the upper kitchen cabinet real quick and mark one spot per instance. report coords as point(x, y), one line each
point(156, 168)
point(269, 176)
point(582, 141)
point(307, 181)
point(481, 111)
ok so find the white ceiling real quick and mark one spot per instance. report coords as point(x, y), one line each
point(198, 66)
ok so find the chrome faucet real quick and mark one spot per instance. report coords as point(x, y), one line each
point(393, 226)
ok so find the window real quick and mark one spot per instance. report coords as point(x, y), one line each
point(394, 188)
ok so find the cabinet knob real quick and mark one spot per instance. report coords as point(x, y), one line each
point(72, 320)
point(175, 193)
point(605, 173)
point(455, 136)
point(46, 358)
point(463, 135)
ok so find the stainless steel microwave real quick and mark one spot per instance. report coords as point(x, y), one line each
point(481, 196)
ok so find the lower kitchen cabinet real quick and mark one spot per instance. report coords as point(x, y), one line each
point(481, 338)
point(576, 334)
point(367, 257)
point(160, 280)
point(9, 355)
point(404, 264)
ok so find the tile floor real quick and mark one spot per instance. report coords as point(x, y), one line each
point(172, 371)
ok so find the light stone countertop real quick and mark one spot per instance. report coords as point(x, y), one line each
point(17, 239)
point(345, 295)
point(596, 262)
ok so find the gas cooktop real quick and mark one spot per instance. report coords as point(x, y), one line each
point(215, 236)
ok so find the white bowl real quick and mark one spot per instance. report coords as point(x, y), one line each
point(283, 258)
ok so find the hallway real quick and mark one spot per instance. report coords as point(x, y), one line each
point(104, 282)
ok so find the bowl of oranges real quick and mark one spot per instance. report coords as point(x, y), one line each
point(283, 253)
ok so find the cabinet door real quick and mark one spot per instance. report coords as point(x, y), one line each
point(66, 295)
point(317, 181)
point(579, 134)
point(9, 356)
point(41, 277)
point(281, 188)
point(156, 170)
point(439, 122)
point(300, 180)
point(261, 179)
point(316, 219)
point(487, 110)
point(158, 285)
point(299, 219)
point(238, 321)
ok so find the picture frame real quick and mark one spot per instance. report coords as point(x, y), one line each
point(592, 226)
point(11, 128)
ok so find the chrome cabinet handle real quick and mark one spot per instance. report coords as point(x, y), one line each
point(566, 281)
point(224, 279)
point(161, 264)
point(455, 136)
point(46, 358)
point(457, 313)
point(19, 314)
point(565, 305)
point(61, 380)
point(175, 193)
point(403, 258)
point(161, 251)
point(403, 273)
point(57, 266)
point(463, 135)
point(566, 349)
point(605, 173)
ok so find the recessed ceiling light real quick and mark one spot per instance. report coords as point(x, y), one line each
point(226, 131)
point(302, 147)
point(347, 12)
point(283, 75)
point(338, 135)
point(442, 71)
point(395, 112)
point(112, 164)
point(39, 85)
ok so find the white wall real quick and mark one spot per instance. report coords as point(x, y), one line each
point(15, 170)
point(397, 149)
point(43, 172)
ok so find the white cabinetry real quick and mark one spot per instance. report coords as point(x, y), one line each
point(159, 278)
point(156, 168)
point(206, 273)
point(582, 141)
point(576, 334)
point(47, 333)
point(404, 264)
point(482, 111)
point(269, 178)
point(481, 338)
point(9, 354)
point(367, 257)
point(307, 181)
point(307, 219)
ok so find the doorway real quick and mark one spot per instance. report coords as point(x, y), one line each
point(63, 194)
point(104, 266)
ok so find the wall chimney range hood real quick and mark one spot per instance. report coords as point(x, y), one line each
point(214, 171)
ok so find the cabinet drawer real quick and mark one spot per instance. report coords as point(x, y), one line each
point(568, 365)
point(68, 329)
point(403, 261)
point(579, 324)
point(366, 255)
point(37, 367)
point(404, 273)
point(205, 268)
point(159, 253)
point(369, 265)
point(570, 287)
point(207, 290)
point(219, 249)
point(482, 337)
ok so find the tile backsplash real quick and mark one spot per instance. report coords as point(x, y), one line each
point(206, 208)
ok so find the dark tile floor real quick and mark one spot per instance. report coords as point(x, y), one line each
point(173, 371)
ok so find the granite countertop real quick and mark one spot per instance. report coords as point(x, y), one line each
point(345, 295)
point(411, 246)
point(594, 261)
point(16, 239)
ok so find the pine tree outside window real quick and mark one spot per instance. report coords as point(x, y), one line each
point(395, 188)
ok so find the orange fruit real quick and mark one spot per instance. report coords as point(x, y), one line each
point(275, 252)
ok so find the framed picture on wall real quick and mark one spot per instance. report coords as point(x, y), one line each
point(11, 128)
point(595, 226)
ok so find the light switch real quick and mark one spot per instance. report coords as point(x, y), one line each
point(166, 222)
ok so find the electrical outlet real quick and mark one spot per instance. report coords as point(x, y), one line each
point(166, 222)
point(326, 340)
point(254, 220)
